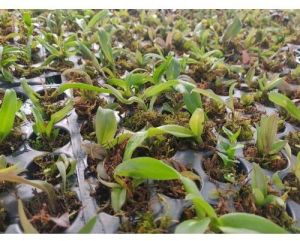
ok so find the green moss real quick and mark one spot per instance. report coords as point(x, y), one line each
point(141, 118)
point(148, 224)
point(246, 132)
point(294, 140)
point(180, 118)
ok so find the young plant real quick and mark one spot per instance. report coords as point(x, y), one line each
point(267, 142)
point(259, 185)
point(65, 166)
point(144, 168)
point(11, 174)
point(107, 51)
point(219, 102)
point(9, 107)
point(227, 150)
point(195, 131)
point(288, 105)
point(265, 86)
point(232, 30)
point(8, 59)
point(131, 84)
point(45, 129)
point(61, 50)
point(93, 23)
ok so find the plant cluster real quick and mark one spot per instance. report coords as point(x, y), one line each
point(150, 106)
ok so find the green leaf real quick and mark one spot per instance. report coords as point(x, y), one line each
point(249, 76)
point(277, 146)
point(175, 130)
point(295, 73)
point(277, 181)
point(196, 123)
point(11, 175)
point(189, 186)
point(65, 86)
point(8, 110)
point(232, 30)
point(231, 103)
point(203, 208)
point(173, 70)
point(96, 19)
point(210, 94)
point(87, 53)
point(259, 179)
point(135, 141)
point(118, 198)
point(106, 125)
point(32, 95)
point(272, 84)
point(39, 126)
point(120, 97)
point(161, 69)
point(63, 173)
point(286, 103)
point(26, 225)
point(192, 100)
point(251, 222)
point(105, 44)
point(266, 134)
point(49, 47)
point(27, 18)
point(157, 89)
point(193, 226)
point(259, 197)
point(58, 116)
point(88, 227)
point(146, 168)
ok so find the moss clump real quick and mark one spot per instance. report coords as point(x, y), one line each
point(148, 224)
point(246, 133)
point(244, 201)
point(294, 141)
point(180, 118)
point(139, 119)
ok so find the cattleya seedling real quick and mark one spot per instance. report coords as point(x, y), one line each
point(45, 129)
point(284, 102)
point(106, 137)
point(227, 150)
point(131, 84)
point(195, 130)
point(259, 185)
point(217, 100)
point(106, 56)
point(267, 142)
point(265, 86)
point(247, 99)
point(47, 109)
point(8, 110)
point(65, 166)
point(106, 124)
point(12, 174)
point(8, 59)
point(61, 50)
point(143, 168)
point(107, 89)
point(93, 23)
point(34, 97)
